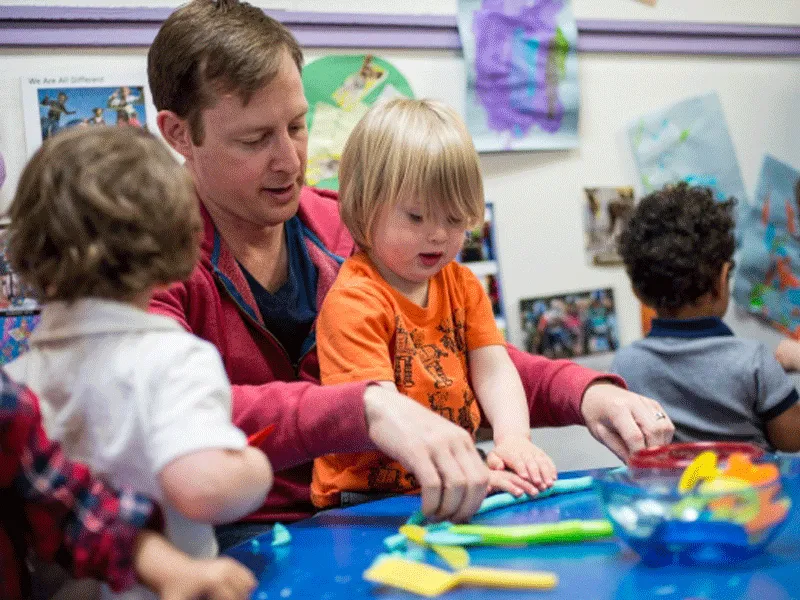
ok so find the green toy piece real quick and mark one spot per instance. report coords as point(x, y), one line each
point(524, 535)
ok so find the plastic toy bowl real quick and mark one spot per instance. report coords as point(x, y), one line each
point(679, 456)
point(706, 526)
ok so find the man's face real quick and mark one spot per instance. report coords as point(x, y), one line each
point(252, 161)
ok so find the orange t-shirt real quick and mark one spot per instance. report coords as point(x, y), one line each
point(368, 330)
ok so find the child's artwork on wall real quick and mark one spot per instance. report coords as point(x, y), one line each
point(688, 141)
point(569, 325)
point(522, 73)
point(479, 254)
point(340, 90)
point(767, 274)
point(19, 311)
point(51, 104)
point(607, 210)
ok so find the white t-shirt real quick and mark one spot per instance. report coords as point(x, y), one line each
point(126, 392)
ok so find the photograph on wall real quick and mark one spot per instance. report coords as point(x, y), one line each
point(767, 273)
point(51, 104)
point(688, 141)
point(19, 311)
point(339, 91)
point(522, 73)
point(479, 254)
point(606, 212)
point(570, 325)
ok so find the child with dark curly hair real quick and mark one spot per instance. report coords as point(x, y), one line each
point(678, 251)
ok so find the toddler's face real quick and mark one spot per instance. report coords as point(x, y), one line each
point(411, 246)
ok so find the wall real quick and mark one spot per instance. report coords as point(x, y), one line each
point(774, 12)
point(538, 196)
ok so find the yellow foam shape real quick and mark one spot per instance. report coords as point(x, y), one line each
point(724, 484)
point(701, 468)
point(455, 556)
point(429, 581)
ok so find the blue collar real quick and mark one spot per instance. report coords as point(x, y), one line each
point(702, 327)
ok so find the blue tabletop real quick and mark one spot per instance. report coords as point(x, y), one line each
point(329, 552)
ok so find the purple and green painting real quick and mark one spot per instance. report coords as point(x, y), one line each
point(522, 73)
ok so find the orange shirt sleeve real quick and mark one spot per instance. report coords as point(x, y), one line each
point(354, 328)
point(481, 327)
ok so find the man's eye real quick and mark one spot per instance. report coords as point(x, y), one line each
point(415, 218)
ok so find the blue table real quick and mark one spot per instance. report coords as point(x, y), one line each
point(329, 553)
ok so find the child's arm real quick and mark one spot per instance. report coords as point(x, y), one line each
point(777, 402)
point(788, 354)
point(499, 391)
point(217, 486)
point(175, 576)
point(783, 431)
point(205, 467)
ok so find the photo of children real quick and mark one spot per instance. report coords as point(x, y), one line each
point(52, 104)
point(607, 209)
point(84, 106)
point(478, 253)
point(570, 325)
point(478, 245)
point(19, 312)
point(15, 297)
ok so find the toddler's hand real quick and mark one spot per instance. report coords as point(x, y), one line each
point(520, 455)
point(215, 579)
point(788, 354)
point(508, 481)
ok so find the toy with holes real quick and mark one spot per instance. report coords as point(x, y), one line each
point(708, 503)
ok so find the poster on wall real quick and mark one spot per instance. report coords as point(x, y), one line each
point(606, 211)
point(570, 325)
point(19, 311)
point(53, 103)
point(689, 142)
point(339, 91)
point(767, 274)
point(522, 73)
point(480, 255)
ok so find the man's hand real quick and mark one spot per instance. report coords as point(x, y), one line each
point(624, 421)
point(442, 456)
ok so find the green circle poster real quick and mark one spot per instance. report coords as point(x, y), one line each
point(340, 90)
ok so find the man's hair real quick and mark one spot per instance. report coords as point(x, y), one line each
point(103, 212)
point(207, 48)
point(675, 245)
point(409, 149)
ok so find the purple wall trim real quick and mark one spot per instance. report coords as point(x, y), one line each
point(35, 26)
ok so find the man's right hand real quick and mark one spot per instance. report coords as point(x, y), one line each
point(441, 455)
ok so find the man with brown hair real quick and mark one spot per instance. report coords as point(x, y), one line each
point(226, 81)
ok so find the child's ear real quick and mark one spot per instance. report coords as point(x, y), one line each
point(723, 280)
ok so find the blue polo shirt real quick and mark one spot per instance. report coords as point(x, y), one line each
point(713, 385)
point(290, 312)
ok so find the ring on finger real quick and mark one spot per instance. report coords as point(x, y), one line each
point(660, 415)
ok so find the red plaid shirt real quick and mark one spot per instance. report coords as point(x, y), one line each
point(55, 507)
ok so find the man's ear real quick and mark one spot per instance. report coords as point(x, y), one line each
point(175, 131)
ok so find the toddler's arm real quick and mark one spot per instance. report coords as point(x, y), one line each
point(217, 486)
point(783, 431)
point(788, 354)
point(500, 393)
point(175, 576)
